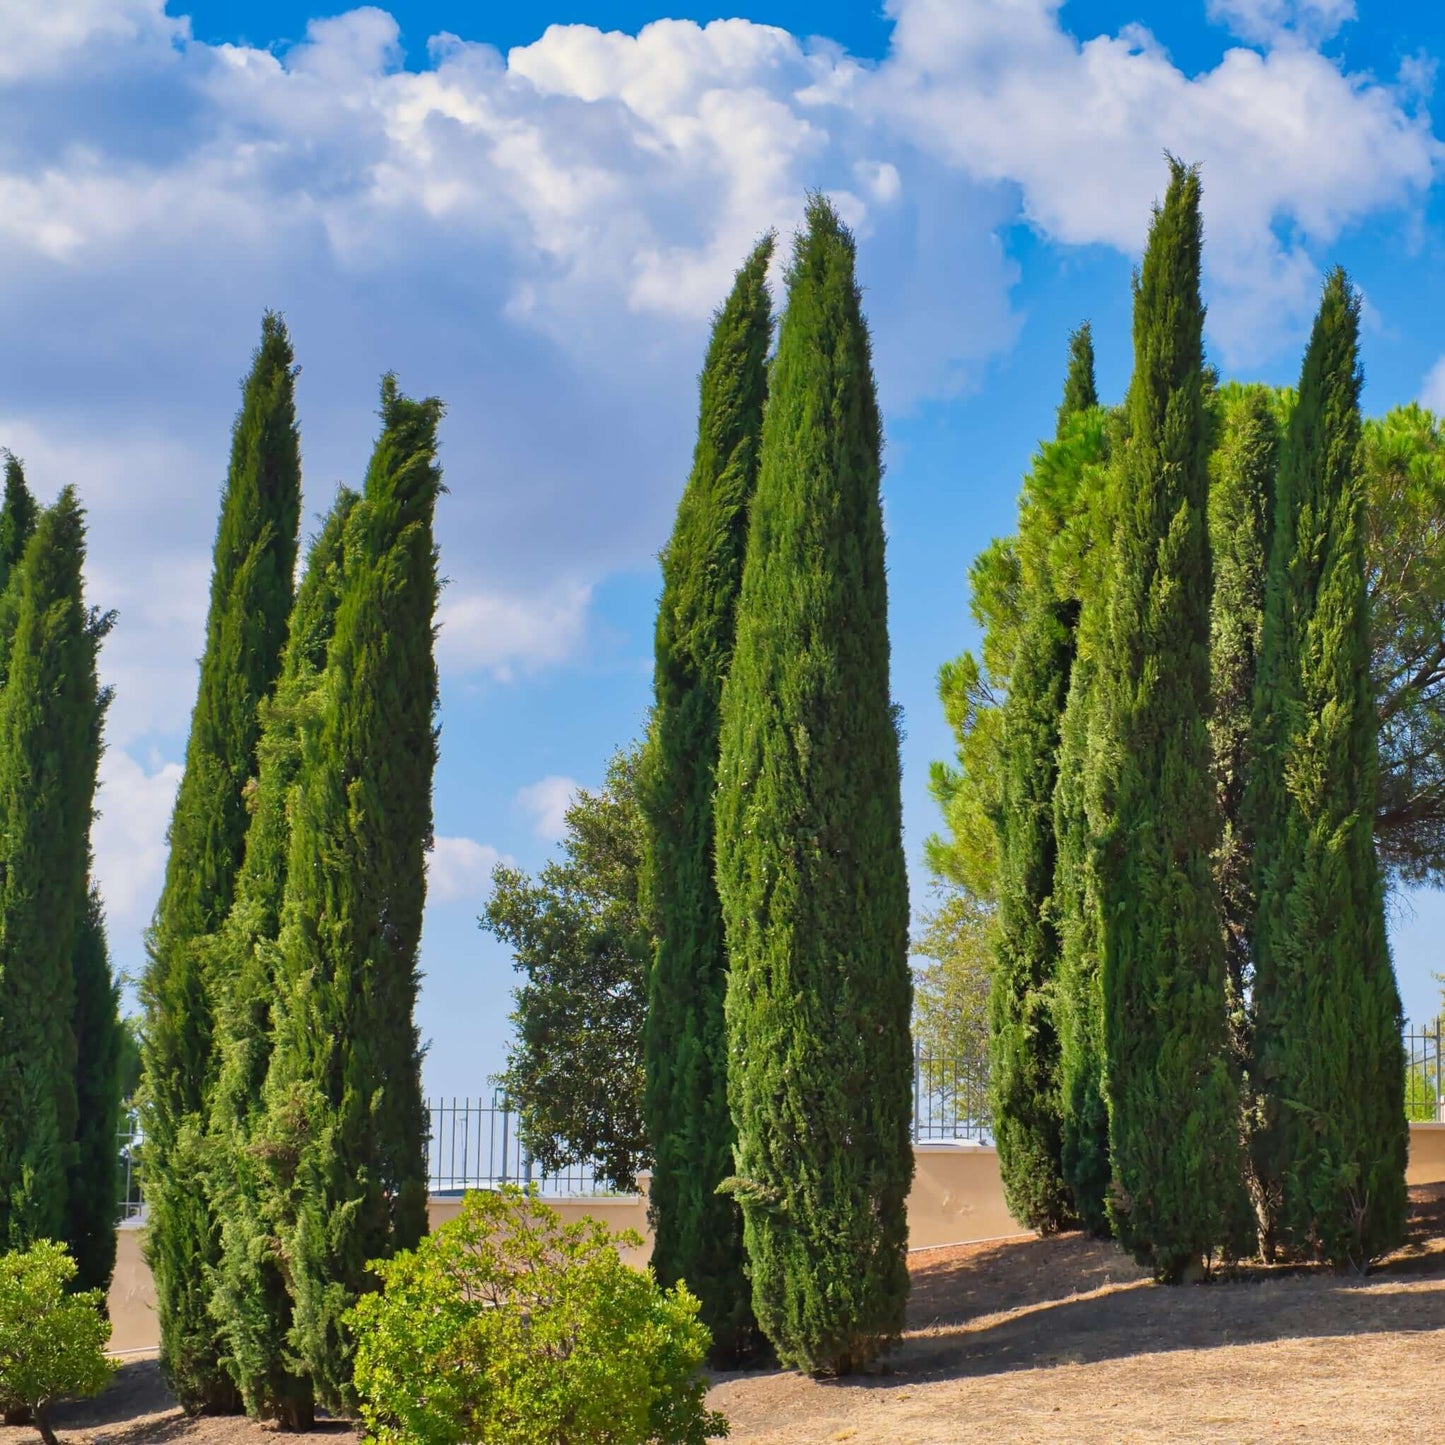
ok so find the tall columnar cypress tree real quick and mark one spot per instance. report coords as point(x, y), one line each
point(252, 1180)
point(345, 1071)
point(1080, 390)
point(809, 849)
point(17, 518)
point(1329, 1065)
point(1024, 1046)
point(698, 1233)
point(49, 753)
point(93, 1186)
point(1173, 1127)
point(1243, 464)
point(1078, 999)
point(251, 595)
point(17, 522)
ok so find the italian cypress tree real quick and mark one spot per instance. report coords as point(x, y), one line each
point(1243, 464)
point(698, 1232)
point(252, 1178)
point(1024, 1062)
point(251, 595)
point(809, 849)
point(1080, 390)
point(1329, 1064)
point(17, 521)
point(17, 518)
point(49, 753)
point(93, 1186)
point(1173, 1127)
point(345, 1073)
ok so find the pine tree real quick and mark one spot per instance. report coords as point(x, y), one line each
point(1024, 1046)
point(94, 1187)
point(1329, 1066)
point(809, 847)
point(345, 1074)
point(1080, 390)
point(251, 1180)
point(251, 595)
point(49, 753)
point(1172, 1112)
point(698, 1232)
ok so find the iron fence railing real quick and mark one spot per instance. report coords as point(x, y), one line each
point(473, 1144)
point(950, 1098)
point(1424, 1074)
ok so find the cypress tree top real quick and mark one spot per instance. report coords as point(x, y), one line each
point(697, 1232)
point(1080, 393)
point(17, 517)
point(810, 858)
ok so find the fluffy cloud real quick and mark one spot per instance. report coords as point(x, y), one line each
point(504, 633)
point(135, 801)
point(1432, 389)
point(546, 802)
point(539, 239)
point(1277, 22)
point(459, 869)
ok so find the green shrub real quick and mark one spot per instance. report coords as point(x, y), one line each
point(506, 1326)
point(52, 1344)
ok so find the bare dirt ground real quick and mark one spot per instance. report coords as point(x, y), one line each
point(1066, 1340)
point(1049, 1340)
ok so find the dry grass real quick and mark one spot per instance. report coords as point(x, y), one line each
point(1052, 1340)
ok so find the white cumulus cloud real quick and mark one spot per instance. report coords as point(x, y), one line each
point(459, 869)
point(1432, 389)
point(504, 634)
point(547, 801)
point(129, 837)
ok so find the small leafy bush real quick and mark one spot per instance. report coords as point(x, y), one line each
point(52, 1344)
point(506, 1327)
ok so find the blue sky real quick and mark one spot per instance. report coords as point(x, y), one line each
point(535, 224)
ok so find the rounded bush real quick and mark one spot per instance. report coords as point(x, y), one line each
point(508, 1327)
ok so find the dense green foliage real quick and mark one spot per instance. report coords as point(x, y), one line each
point(93, 1186)
point(810, 857)
point(1402, 461)
point(344, 1081)
point(1241, 504)
point(1024, 1049)
point(1330, 1145)
point(251, 1171)
point(508, 1327)
point(50, 716)
point(697, 1231)
point(574, 1069)
point(52, 1338)
point(251, 597)
point(1172, 1110)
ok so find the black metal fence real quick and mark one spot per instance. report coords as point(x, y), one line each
point(1424, 1076)
point(473, 1144)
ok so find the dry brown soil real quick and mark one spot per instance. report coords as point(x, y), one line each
point(1051, 1340)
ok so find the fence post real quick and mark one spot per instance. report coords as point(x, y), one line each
point(917, 1088)
point(1439, 1077)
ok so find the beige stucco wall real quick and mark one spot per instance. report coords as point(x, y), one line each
point(1427, 1154)
point(957, 1198)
